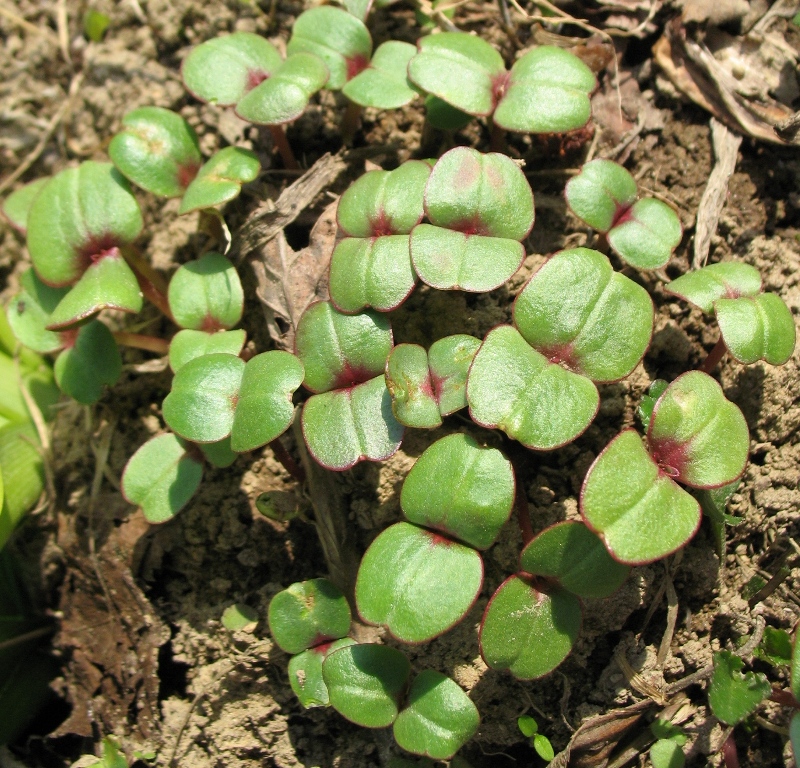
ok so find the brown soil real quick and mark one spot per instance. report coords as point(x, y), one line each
point(145, 655)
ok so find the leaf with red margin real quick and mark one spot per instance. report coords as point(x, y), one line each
point(460, 488)
point(577, 311)
point(640, 513)
point(345, 426)
point(339, 39)
point(528, 630)
point(514, 388)
point(82, 212)
point(339, 350)
point(696, 435)
point(575, 557)
point(308, 613)
point(726, 280)
point(417, 583)
point(222, 70)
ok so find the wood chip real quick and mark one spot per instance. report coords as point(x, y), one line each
point(726, 147)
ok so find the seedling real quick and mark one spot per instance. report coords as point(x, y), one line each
point(422, 577)
point(349, 418)
point(530, 730)
point(246, 71)
point(643, 232)
point(157, 150)
point(666, 751)
point(480, 208)
point(371, 266)
point(427, 386)
point(534, 617)
point(239, 618)
point(630, 495)
point(753, 325)
point(383, 84)
point(78, 227)
point(577, 321)
point(546, 91)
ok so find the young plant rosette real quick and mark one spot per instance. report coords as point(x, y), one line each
point(576, 322)
point(631, 497)
point(753, 325)
point(643, 232)
point(349, 417)
point(546, 91)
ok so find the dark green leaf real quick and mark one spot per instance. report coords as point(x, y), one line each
point(89, 364)
point(731, 694)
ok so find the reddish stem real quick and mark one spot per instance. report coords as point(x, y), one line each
point(729, 754)
point(289, 464)
point(140, 341)
point(350, 122)
point(282, 145)
point(151, 283)
point(714, 356)
point(521, 504)
point(497, 138)
point(784, 698)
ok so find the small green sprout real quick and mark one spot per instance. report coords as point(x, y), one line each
point(546, 91)
point(643, 232)
point(753, 325)
point(666, 751)
point(733, 695)
point(530, 730)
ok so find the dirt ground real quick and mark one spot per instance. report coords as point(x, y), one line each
point(145, 655)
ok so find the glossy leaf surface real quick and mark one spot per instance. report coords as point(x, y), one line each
point(305, 673)
point(29, 313)
point(450, 260)
point(696, 435)
point(157, 150)
point(17, 205)
point(460, 69)
point(220, 179)
point(206, 294)
point(547, 91)
point(577, 311)
point(438, 719)
point(449, 360)
point(417, 583)
point(345, 426)
point(161, 477)
point(366, 682)
point(570, 553)
point(529, 632)
point(513, 387)
point(371, 272)
point(479, 194)
point(460, 488)
point(285, 95)
point(108, 283)
point(639, 512)
point(203, 399)
point(601, 193)
point(307, 614)
point(339, 350)
point(82, 212)
point(726, 280)
point(647, 234)
point(731, 694)
point(222, 70)
point(186, 345)
point(409, 383)
point(758, 328)
point(384, 84)
point(264, 408)
point(90, 364)
point(384, 202)
point(339, 39)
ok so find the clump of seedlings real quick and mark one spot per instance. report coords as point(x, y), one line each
point(456, 223)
